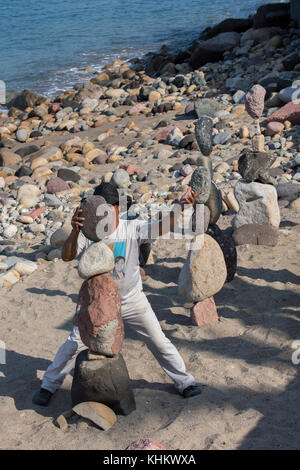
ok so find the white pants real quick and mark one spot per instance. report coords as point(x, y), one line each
point(138, 314)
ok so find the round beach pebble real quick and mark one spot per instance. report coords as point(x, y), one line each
point(22, 135)
point(10, 231)
point(25, 268)
point(56, 185)
point(274, 128)
point(145, 444)
point(121, 178)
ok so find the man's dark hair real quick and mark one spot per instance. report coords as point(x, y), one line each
point(118, 258)
point(110, 193)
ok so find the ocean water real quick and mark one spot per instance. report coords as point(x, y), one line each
point(46, 45)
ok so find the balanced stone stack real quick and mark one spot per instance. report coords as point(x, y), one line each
point(201, 279)
point(202, 276)
point(100, 372)
point(258, 219)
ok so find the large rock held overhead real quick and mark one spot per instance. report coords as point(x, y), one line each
point(90, 208)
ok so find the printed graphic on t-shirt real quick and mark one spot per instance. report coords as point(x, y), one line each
point(119, 251)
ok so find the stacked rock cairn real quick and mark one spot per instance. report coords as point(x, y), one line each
point(100, 372)
point(212, 257)
point(258, 219)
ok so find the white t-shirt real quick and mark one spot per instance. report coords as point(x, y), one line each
point(124, 243)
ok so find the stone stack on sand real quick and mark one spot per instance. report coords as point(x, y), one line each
point(99, 320)
point(200, 281)
point(258, 219)
point(202, 276)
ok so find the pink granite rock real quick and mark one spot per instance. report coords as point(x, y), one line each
point(130, 169)
point(204, 312)
point(36, 213)
point(289, 112)
point(98, 315)
point(56, 185)
point(145, 444)
point(274, 128)
point(255, 101)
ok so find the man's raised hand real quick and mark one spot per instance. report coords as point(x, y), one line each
point(77, 221)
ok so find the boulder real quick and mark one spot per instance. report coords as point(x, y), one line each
point(103, 381)
point(277, 14)
point(258, 204)
point(204, 272)
point(227, 246)
point(289, 94)
point(98, 315)
point(97, 259)
point(295, 11)
point(205, 312)
point(26, 99)
point(213, 49)
point(255, 166)
point(289, 112)
point(238, 25)
point(288, 191)
point(256, 234)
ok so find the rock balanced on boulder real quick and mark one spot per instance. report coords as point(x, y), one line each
point(259, 212)
point(100, 372)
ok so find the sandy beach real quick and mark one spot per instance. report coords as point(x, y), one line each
point(250, 385)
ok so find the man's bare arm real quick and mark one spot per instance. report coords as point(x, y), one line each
point(69, 250)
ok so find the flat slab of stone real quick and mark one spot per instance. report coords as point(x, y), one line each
point(99, 414)
point(256, 234)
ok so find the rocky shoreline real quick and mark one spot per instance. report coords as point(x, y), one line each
point(136, 127)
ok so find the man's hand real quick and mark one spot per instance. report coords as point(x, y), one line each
point(189, 197)
point(77, 221)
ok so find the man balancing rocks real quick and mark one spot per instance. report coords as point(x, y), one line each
point(137, 312)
